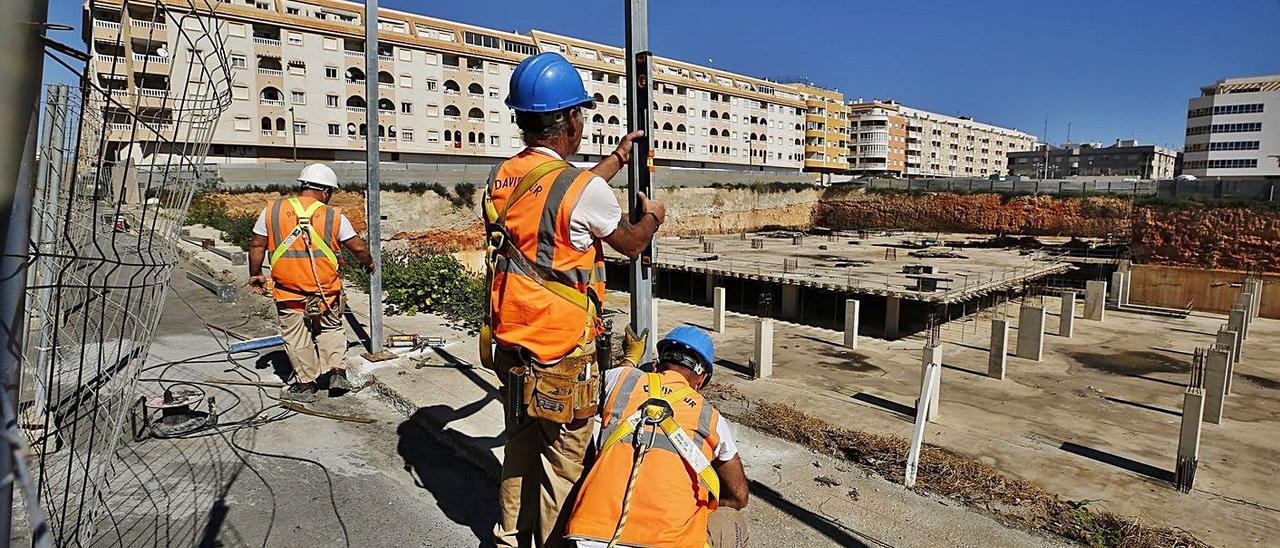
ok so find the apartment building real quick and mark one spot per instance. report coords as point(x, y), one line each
point(299, 84)
point(1233, 129)
point(1123, 158)
point(887, 138)
point(826, 129)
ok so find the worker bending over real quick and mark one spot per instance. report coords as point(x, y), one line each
point(545, 221)
point(303, 234)
point(668, 472)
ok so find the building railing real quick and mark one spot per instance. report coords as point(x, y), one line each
point(266, 41)
point(118, 126)
point(382, 57)
point(452, 92)
point(451, 67)
point(106, 57)
point(271, 102)
point(351, 53)
point(355, 109)
point(150, 59)
point(157, 25)
point(270, 72)
point(153, 92)
point(267, 132)
point(453, 118)
point(384, 85)
point(355, 81)
point(113, 25)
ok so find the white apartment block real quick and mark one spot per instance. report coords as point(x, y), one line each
point(949, 146)
point(298, 87)
point(1233, 129)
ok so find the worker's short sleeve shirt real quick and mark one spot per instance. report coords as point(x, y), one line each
point(345, 230)
point(725, 450)
point(596, 214)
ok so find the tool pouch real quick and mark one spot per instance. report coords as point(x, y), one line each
point(563, 391)
point(313, 307)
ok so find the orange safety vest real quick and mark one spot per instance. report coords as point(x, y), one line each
point(669, 506)
point(524, 312)
point(291, 258)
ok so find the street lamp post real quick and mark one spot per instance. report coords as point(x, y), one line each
point(293, 131)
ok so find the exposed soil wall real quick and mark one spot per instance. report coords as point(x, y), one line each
point(1219, 237)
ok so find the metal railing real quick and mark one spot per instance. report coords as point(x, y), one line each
point(113, 25)
point(263, 41)
point(270, 72)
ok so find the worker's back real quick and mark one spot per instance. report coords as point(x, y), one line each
point(308, 265)
point(525, 313)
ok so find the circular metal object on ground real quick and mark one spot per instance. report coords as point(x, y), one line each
point(181, 398)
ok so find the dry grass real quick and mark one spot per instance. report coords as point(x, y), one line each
point(954, 476)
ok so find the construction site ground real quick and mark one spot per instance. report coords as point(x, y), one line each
point(1097, 419)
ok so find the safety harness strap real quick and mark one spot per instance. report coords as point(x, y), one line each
point(679, 438)
point(304, 225)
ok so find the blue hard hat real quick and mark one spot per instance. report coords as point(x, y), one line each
point(689, 340)
point(546, 82)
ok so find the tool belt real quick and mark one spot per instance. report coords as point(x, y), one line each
point(561, 392)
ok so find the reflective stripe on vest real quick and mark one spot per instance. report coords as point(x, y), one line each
point(322, 249)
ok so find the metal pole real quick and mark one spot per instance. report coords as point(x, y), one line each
point(22, 22)
point(293, 131)
point(49, 188)
point(373, 198)
point(639, 179)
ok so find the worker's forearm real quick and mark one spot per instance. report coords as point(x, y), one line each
point(608, 167)
point(256, 256)
point(360, 249)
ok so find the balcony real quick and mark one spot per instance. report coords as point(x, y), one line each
point(453, 118)
point(154, 25)
point(450, 67)
point(385, 57)
point(110, 25)
point(152, 92)
point(270, 72)
point(263, 41)
point(119, 126)
point(385, 85)
point(271, 102)
point(353, 53)
point(108, 58)
point(357, 110)
point(150, 59)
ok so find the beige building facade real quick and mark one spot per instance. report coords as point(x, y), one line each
point(298, 88)
point(888, 138)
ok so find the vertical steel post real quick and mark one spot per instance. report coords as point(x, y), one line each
point(373, 198)
point(639, 179)
point(55, 182)
point(22, 23)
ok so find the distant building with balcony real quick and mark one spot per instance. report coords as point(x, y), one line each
point(1123, 158)
point(887, 138)
point(298, 76)
point(826, 130)
point(1233, 129)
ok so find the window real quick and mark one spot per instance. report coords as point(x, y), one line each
point(240, 92)
point(406, 81)
point(300, 128)
point(515, 142)
point(1246, 127)
point(431, 85)
point(330, 43)
point(433, 136)
point(236, 29)
point(295, 38)
point(433, 59)
point(493, 92)
point(406, 55)
point(433, 110)
point(475, 115)
point(331, 101)
point(242, 123)
point(335, 129)
point(493, 68)
point(406, 108)
point(482, 40)
point(1225, 109)
point(493, 140)
point(1222, 164)
point(331, 73)
point(292, 11)
point(406, 134)
point(521, 48)
point(493, 116)
point(298, 97)
point(1234, 145)
point(237, 61)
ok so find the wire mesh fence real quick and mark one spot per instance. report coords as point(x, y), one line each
point(117, 169)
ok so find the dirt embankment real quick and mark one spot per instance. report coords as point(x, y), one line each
point(1226, 237)
point(981, 213)
point(728, 211)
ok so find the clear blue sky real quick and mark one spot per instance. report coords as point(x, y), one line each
point(1114, 69)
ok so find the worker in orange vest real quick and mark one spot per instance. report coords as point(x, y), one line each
point(545, 222)
point(668, 473)
point(303, 235)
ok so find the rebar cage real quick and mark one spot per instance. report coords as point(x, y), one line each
point(120, 158)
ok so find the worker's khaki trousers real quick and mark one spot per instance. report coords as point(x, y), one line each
point(315, 346)
point(541, 466)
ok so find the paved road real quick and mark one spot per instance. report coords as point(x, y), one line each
point(392, 484)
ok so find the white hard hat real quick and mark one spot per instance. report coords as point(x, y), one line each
point(319, 174)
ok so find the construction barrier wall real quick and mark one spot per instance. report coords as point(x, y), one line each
point(1201, 289)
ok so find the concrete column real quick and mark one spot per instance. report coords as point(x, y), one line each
point(1117, 287)
point(852, 310)
point(1228, 340)
point(764, 348)
point(1189, 439)
point(1257, 297)
point(1067, 316)
point(1095, 300)
point(1217, 365)
point(931, 354)
point(892, 308)
point(1124, 291)
point(717, 309)
point(1235, 322)
point(791, 302)
point(999, 349)
point(1245, 301)
point(711, 288)
point(1031, 332)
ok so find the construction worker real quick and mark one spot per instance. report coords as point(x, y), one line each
point(303, 234)
point(545, 221)
point(668, 471)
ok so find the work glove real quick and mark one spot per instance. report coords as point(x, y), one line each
point(633, 346)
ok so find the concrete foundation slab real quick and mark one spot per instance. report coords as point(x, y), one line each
point(999, 354)
point(717, 310)
point(932, 354)
point(1216, 369)
point(1095, 306)
point(1031, 332)
point(852, 311)
point(1067, 316)
point(892, 309)
point(763, 364)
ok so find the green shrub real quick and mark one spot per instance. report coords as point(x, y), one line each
point(434, 283)
point(211, 211)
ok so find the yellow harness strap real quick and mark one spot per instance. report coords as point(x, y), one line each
point(304, 224)
point(683, 443)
